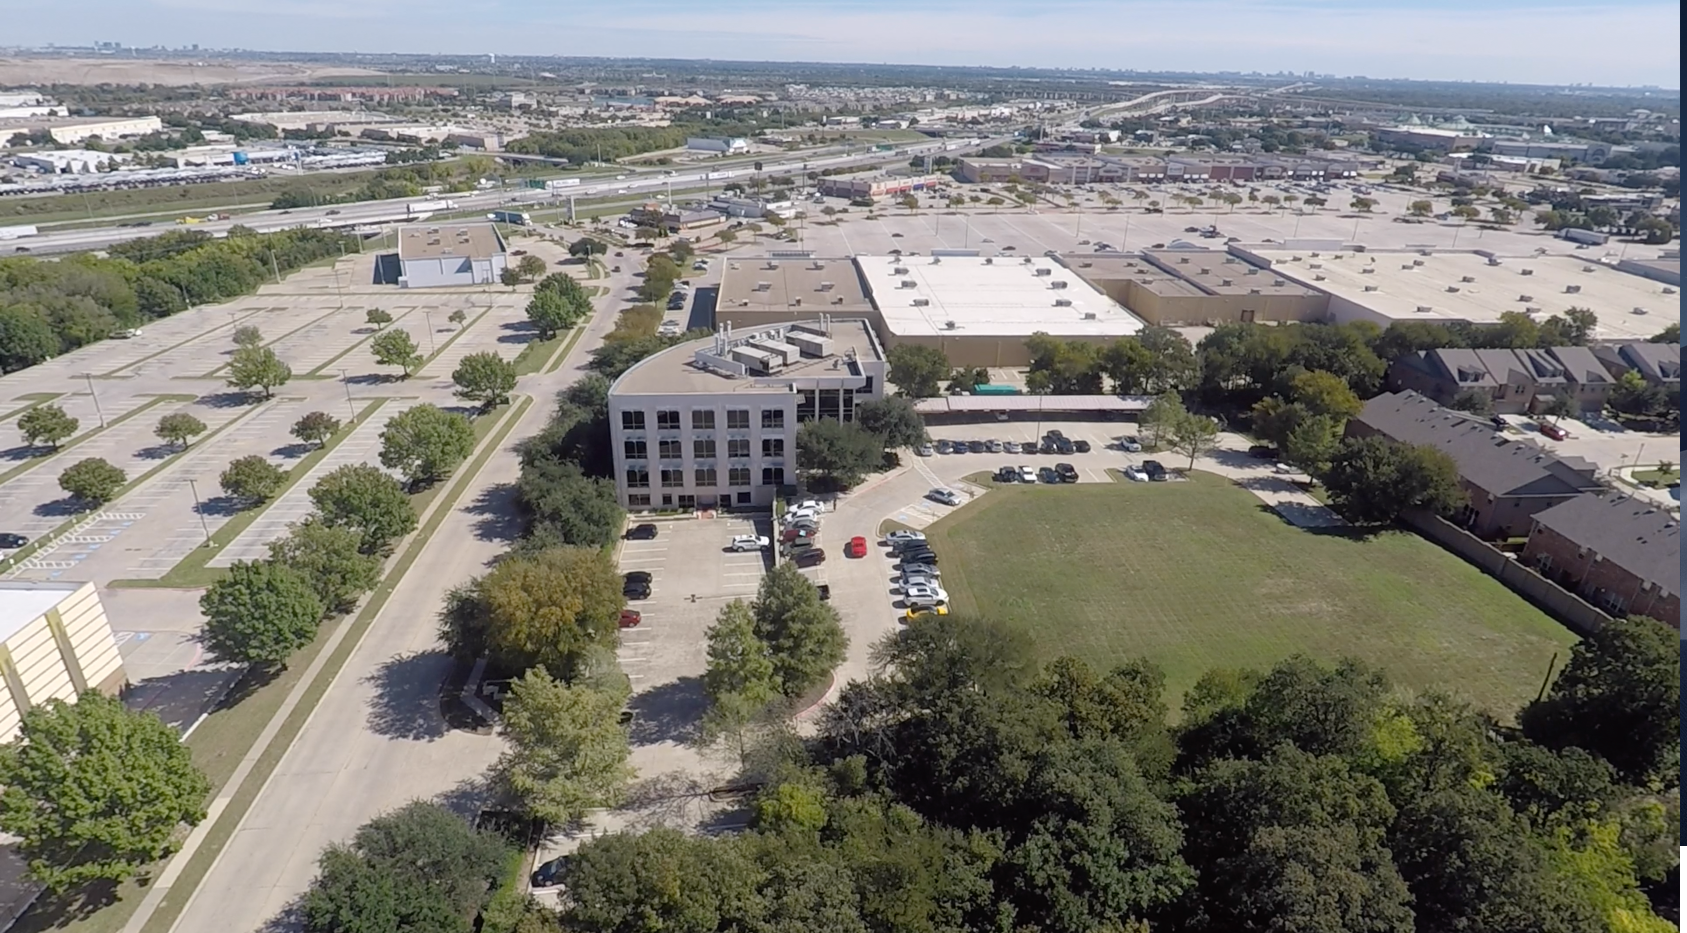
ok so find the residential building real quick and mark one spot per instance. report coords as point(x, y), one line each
point(55, 644)
point(448, 253)
point(712, 423)
point(1621, 553)
point(1507, 481)
point(1515, 381)
point(1657, 363)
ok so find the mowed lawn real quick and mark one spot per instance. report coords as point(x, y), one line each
point(1200, 574)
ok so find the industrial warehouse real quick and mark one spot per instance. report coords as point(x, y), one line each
point(446, 254)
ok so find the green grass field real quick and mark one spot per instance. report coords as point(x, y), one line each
point(1201, 574)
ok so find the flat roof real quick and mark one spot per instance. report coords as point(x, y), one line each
point(765, 283)
point(22, 603)
point(675, 371)
point(978, 296)
point(1218, 273)
point(436, 241)
point(1023, 403)
point(1463, 286)
point(1116, 267)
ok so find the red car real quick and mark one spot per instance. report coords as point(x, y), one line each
point(857, 547)
point(630, 618)
point(1553, 431)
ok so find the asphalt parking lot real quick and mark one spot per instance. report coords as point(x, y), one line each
point(693, 576)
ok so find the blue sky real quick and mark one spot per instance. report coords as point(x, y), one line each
point(1524, 41)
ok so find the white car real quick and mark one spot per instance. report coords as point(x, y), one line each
point(748, 542)
point(925, 595)
point(900, 537)
point(1027, 475)
point(812, 505)
point(1129, 444)
point(925, 450)
point(801, 515)
point(945, 496)
point(1284, 469)
point(1136, 474)
point(912, 580)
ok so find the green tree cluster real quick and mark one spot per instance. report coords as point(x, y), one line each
point(564, 489)
point(424, 443)
point(1375, 479)
point(558, 303)
point(550, 608)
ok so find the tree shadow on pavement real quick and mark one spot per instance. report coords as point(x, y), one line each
point(498, 517)
point(52, 911)
point(668, 713)
point(23, 452)
point(62, 508)
point(234, 399)
point(406, 701)
point(289, 919)
point(181, 698)
point(469, 796)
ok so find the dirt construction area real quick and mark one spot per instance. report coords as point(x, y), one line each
point(28, 71)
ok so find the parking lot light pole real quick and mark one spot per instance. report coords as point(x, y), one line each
point(199, 507)
point(428, 317)
point(96, 397)
point(349, 406)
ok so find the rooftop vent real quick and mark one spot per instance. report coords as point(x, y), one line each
point(838, 300)
point(797, 300)
point(1668, 290)
point(1183, 260)
point(1314, 255)
point(1408, 266)
point(950, 325)
point(1089, 315)
point(825, 286)
point(1253, 291)
point(1063, 302)
point(907, 283)
point(1425, 309)
point(1587, 268)
point(1493, 260)
point(1025, 259)
point(1370, 288)
point(771, 265)
point(1453, 289)
point(1424, 252)
point(1639, 311)
point(1572, 289)
point(1279, 282)
point(899, 270)
point(1058, 283)
point(1368, 270)
point(1467, 278)
point(1226, 283)
point(1525, 272)
point(1531, 310)
point(991, 260)
point(764, 286)
point(1318, 278)
point(1042, 272)
point(1314, 265)
point(922, 302)
point(1418, 262)
point(1206, 271)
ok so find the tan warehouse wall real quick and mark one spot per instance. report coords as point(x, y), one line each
point(1172, 310)
point(66, 650)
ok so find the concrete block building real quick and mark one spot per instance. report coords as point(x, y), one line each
point(447, 253)
point(55, 644)
point(712, 423)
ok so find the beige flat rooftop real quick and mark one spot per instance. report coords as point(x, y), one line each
point(1119, 267)
point(830, 285)
point(443, 240)
point(1218, 273)
point(674, 370)
point(1002, 296)
point(1463, 286)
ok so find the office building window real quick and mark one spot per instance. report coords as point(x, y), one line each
point(773, 447)
point(638, 500)
point(773, 476)
point(744, 498)
point(636, 450)
point(667, 500)
point(703, 448)
point(667, 420)
point(773, 418)
point(688, 502)
point(738, 476)
point(672, 479)
point(738, 419)
point(705, 478)
point(669, 448)
point(738, 447)
point(632, 421)
point(703, 420)
point(638, 478)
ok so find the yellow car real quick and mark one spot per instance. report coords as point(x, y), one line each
point(924, 612)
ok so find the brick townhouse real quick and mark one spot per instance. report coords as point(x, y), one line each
point(1620, 553)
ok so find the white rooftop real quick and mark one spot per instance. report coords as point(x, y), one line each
point(1465, 286)
point(23, 603)
point(1003, 296)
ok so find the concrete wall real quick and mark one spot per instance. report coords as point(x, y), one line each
point(1601, 581)
point(1566, 607)
point(65, 651)
point(1215, 309)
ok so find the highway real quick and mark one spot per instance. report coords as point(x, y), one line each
point(370, 213)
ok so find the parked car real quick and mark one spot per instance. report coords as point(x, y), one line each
point(1553, 431)
point(644, 532)
point(630, 618)
point(637, 576)
point(857, 547)
point(748, 542)
point(809, 557)
point(993, 446)
point(925, 450)
point(945, 496)
point(1067, 472)
point(1283, 469)
point(1130, 444)
point(1027, 475)
point(1052, 433)
point(127, 333)
point(924, 612)
point(1007, 474)
point(636, 591)
point(925, 594)
point(1156, 471)
point(1136, 474)
point(1263, 452)
point(900, 536)
point(1082, 447)
point(549, 875)
point(918, 557)
point(11, 541)
point(800, 515)
point(922, 570)
point(1498, 421)
point(945, 447)
point(1048, 475)
point(806, 505)
point(977, 447)
point(1010, 447)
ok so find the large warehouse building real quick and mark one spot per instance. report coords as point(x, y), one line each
point(55, 644)
point(1442, 287)
point(1173, 287)
point(431, 256)
point(712, 423)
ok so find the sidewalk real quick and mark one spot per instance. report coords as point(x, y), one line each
point(1231, 460)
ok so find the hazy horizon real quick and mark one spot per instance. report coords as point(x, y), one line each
point(1512, 41)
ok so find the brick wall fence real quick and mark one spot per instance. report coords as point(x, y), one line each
point(1563, 605)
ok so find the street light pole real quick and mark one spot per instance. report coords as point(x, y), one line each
point(199, 507)
point(96, 397)
point(349, 406)
point(428, 316)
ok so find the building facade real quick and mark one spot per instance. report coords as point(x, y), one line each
point(450, 254)
point(875, 186)
point(713, 423)
point(55, 644)
point(1620, 553)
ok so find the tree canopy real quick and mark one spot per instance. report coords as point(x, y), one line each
point(260, 613)
point(426, 442)
point(543, 608)
point(365, 498)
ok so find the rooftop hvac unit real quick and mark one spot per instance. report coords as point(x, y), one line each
point(1525, 297)
point(1531, 310)
point(1226, 283)
point(1251, 272)
point(1043, 272)
point(1467, 278)
point(937, 260)
point(1279, 283)
point(1370, 288)
point(907, 283)
point(1183, 260)
point(991, 260)
point(1418, 262)
point(1063, 302)
point(818, 266)
point(1408, 267)
point(1057, 284)
point(1025, 259)
point(1318, 278)
point(899, 270)
point(1089, 315)
point(1587, 268)
point(1081, 265)
point(1572, 289)
point(1425, 309)
point(771, 265)
point(838, 300)
point(1638, 311)
point(825, 286)
point(1368, 270)
point(1493, 260)
point(1339, 256)
point(1668, 290)
point(1453, 289)
point(797, 300)
point(950, 325)
point(1525, 272)
point(1314, 265)
point(922, 302)
point(764, 286)
point(1294, 259)
point(1424, 252)
point(1253, 291)
point(1314, 255)
point(733, 266)
point(1205, 271)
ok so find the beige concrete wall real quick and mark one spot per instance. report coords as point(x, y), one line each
point(1212, 309)
point(67, 649)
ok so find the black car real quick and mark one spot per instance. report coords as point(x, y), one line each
point(1047, 475)
point(1007, 475)
point(928, 558)
point(1067, 472)
point(636, 591)
point(11, 542)
point(550, 874)
point(945, 447)
point(809, 557)
point(1063, 446)
point(1156, 470)
point(644, 532)
point(1264, 452)
point(977, 447)
point(637, 576)
point(1082, 447)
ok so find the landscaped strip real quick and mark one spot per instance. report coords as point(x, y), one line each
point(34, 462)
point(453, 338)
point(275, 340)
point(191, 571)
point(171, 894)
point(35, 400)
point(365, 339)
